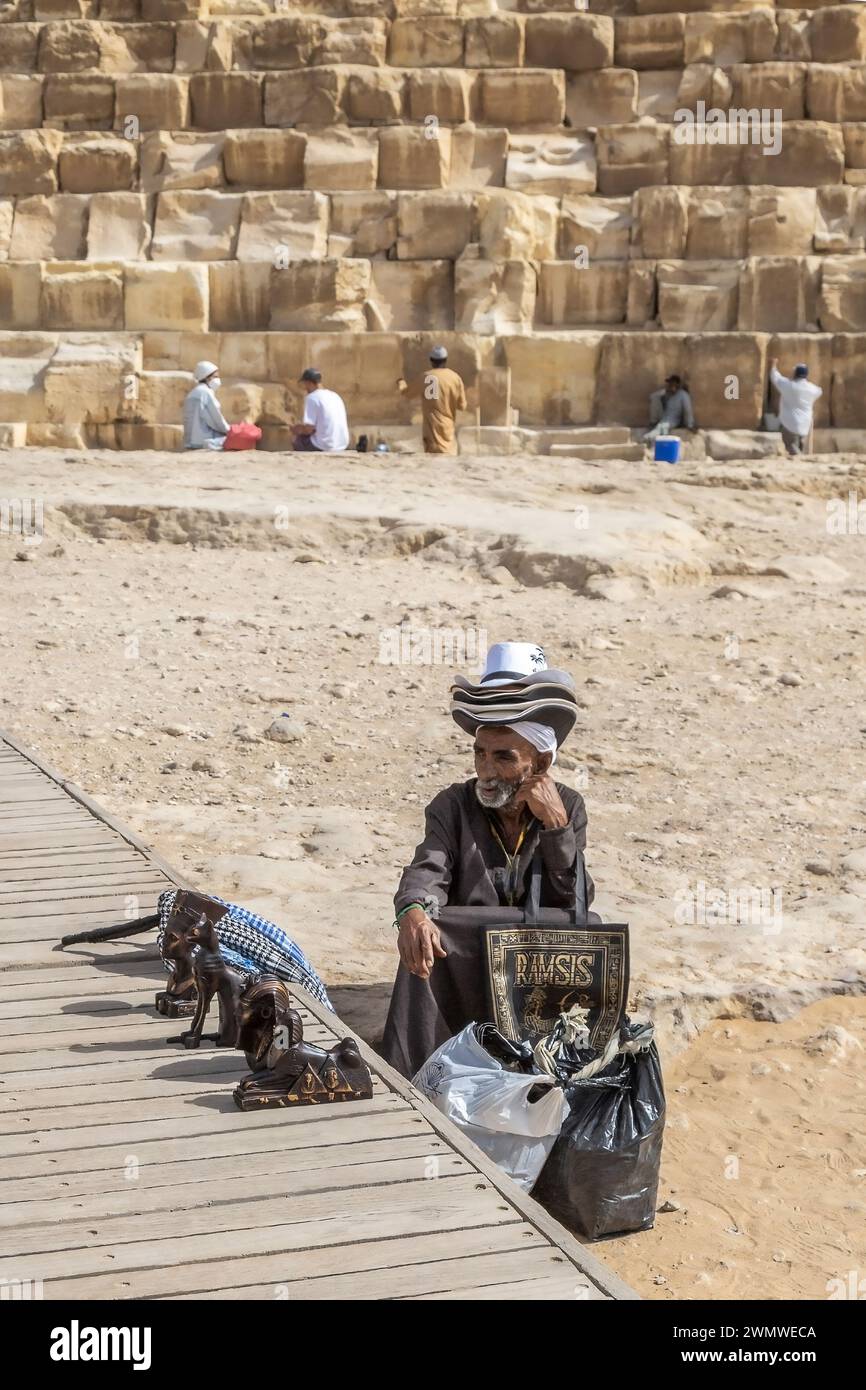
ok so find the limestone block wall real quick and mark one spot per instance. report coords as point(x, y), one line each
point(271, 183)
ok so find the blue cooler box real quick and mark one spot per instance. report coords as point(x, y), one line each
point(667, 449)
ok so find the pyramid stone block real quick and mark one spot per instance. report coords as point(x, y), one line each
point(410, 296)
point(166, 297)
point(323, 295)
point(494, 296)
point(119, 227)
point(28, 162)
point(575, 42)
point(20, 102)
point(97, 166)
point(49, 229)
point(156, 101)
point(195, 226)
point(75, 301)
point(283, 227)
point(412, 159)
point(264, 158)
point(434, 226)
point(341, 160)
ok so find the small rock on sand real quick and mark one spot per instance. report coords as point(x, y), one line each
point(285, 730)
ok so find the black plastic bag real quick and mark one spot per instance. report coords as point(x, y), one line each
point(601, 1177)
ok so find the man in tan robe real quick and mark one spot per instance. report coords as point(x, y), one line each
point(442, 395)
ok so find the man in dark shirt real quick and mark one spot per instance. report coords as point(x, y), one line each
point(480, 840)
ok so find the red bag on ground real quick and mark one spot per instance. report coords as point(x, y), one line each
point(242, 437)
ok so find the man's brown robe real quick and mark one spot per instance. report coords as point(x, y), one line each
point(442, 395)
point(460, 864)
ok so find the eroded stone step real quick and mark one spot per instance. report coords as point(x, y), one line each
point(593, 434)
point(629, 453)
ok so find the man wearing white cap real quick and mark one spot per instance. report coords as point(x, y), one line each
point(204, 426)
point(481, 838)
point(442, 394)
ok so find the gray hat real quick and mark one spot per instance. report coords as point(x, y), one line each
point(310, 374)
point(516, 684)
point(801, 370)
point(438, 354)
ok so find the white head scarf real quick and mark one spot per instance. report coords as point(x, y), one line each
point(541, 736)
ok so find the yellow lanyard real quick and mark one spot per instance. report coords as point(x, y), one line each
point(510, 859)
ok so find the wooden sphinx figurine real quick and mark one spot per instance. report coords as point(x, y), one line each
point(303, 1074)
point(284, 1070)
point(265, 1019)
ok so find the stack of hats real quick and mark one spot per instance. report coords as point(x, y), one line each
point(516, 685)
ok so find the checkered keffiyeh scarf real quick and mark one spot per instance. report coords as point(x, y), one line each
point(253, 945)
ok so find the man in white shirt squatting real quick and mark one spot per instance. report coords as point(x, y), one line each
point(325, 427)
point(797, 397)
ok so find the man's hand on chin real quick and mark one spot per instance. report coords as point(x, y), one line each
point(418, 942)
point(538, 793)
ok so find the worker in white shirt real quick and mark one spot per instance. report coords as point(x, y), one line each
point(325, 427)
point(797, 397)
point(204, 426)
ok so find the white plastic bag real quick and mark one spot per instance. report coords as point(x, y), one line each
point(490, 1105)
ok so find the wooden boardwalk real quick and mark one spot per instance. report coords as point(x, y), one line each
point(127, 1172)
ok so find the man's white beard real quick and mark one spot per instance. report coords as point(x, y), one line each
point(496, 794)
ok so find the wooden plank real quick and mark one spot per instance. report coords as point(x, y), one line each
point(102, 907)
point(79, 1026)
point(67, 976)
point(455, 1276)
point(176, 1063)
point(21, 792)
point(49, 839)
point(67, 889)
point(338, 1218)
point(146, 1051)
point(47, 1001)
point(127, 1025)
point(106, 1030)
point(561, 1287)
point(53, 1099)
point(101, 1113)
point(175, 1278)
point(48, 953)
point(241, 1189)
point(116, 1000)
point(266, 1153)
point(58, 858)
point(259, 1129)
point(114, 870)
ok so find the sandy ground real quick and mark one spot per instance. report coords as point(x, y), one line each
point(713, 617)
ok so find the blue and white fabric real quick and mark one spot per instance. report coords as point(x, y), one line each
point(253, 945)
